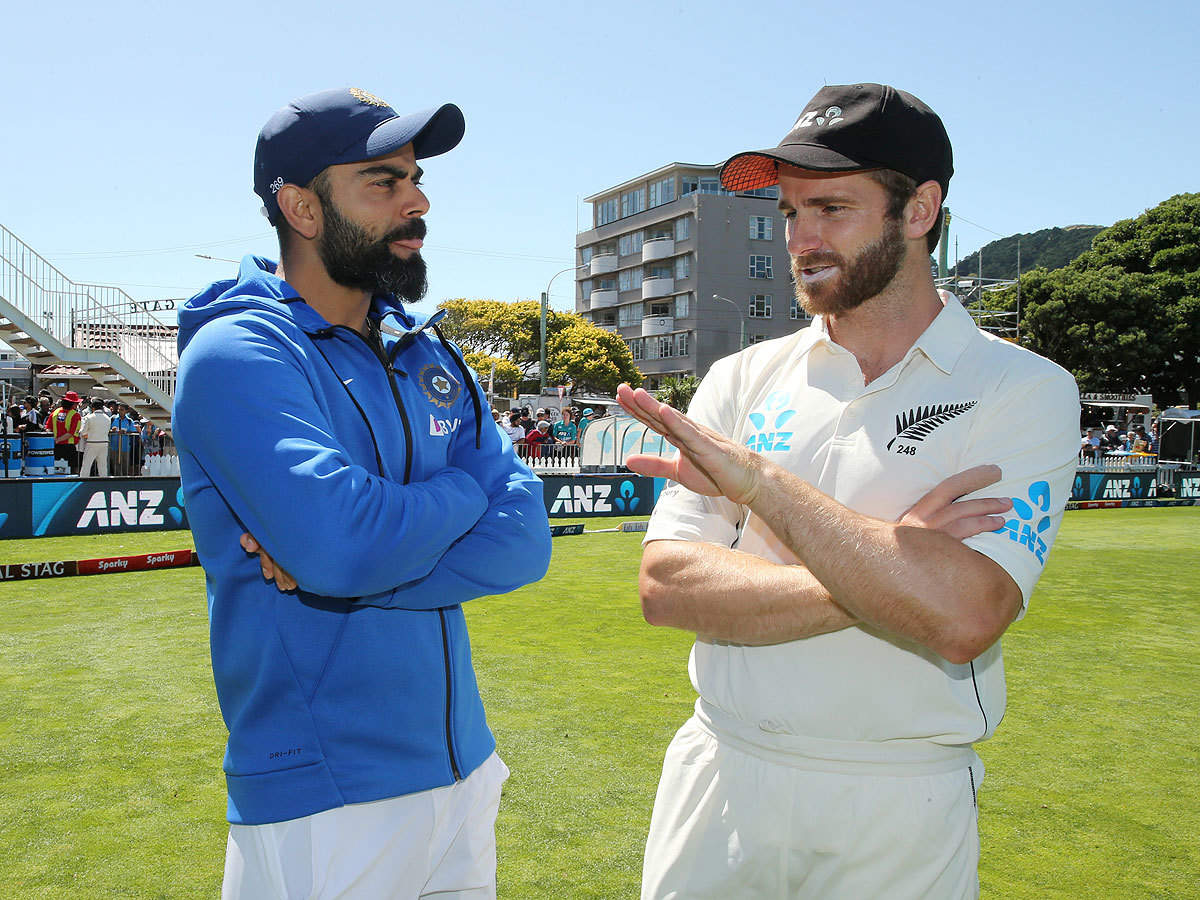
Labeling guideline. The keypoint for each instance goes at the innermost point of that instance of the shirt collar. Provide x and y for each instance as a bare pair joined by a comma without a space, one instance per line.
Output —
947,336
942,343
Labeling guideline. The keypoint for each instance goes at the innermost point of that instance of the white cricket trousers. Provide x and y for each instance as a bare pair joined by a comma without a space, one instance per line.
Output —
729,824
439,843
96,452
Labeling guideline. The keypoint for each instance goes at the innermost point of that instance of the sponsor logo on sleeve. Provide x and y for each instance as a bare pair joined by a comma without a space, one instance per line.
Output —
1024,529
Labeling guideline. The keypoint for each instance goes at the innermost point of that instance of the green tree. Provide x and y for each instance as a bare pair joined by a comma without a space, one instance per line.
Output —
1125,315
508,376
593,358
677,393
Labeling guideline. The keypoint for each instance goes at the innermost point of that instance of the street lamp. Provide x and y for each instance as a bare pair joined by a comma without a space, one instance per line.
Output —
542,336
741,320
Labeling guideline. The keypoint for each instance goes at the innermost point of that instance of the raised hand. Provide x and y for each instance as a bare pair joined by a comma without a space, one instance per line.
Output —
707,462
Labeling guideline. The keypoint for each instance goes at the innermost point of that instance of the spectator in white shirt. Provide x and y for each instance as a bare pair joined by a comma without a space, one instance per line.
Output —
95,436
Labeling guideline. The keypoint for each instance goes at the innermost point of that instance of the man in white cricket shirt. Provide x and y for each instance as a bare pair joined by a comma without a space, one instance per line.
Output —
95,438
848,590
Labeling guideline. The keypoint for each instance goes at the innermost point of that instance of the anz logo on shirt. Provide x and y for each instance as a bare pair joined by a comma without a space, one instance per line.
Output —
1023,529
769,424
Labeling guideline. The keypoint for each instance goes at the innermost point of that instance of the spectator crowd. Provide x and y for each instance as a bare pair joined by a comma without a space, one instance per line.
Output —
93,437
1135,440
539,440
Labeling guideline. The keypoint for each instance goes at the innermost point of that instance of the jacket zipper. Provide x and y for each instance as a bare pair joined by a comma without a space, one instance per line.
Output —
376,345
446,658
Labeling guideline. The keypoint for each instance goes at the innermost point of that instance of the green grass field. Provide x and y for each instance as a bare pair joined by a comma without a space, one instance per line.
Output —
111,740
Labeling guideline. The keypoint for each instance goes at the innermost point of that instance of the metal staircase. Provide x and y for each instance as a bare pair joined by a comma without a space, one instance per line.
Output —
117,341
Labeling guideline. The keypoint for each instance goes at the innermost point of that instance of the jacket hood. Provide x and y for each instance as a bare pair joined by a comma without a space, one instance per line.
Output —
258,287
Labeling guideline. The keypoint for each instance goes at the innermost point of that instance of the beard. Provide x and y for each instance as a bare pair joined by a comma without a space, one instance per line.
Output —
858,280
354,258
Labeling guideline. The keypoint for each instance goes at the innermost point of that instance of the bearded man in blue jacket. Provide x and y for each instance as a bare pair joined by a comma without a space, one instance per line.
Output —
367,482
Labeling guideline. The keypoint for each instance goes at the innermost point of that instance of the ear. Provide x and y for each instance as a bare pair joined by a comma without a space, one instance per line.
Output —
921,211
301,209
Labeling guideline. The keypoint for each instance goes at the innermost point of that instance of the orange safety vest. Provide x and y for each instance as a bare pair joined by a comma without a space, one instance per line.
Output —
65,425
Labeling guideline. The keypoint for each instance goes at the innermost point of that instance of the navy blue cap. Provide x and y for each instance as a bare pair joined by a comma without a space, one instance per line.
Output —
344,125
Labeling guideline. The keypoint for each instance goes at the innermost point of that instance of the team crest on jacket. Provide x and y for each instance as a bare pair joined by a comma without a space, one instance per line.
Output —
438,385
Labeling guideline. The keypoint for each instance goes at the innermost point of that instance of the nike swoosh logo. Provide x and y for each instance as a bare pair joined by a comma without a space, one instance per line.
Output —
347,382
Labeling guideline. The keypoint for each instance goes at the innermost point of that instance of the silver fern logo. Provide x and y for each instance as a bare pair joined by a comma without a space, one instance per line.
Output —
916,424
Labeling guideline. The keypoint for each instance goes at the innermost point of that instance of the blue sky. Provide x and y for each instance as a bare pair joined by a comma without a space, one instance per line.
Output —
129,130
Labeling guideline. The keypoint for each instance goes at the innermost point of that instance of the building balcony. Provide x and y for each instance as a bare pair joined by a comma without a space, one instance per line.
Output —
660,248
604,265
601,299
608,326
652,325
656,287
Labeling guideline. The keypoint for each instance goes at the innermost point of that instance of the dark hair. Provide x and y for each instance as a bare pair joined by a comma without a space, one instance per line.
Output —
900,189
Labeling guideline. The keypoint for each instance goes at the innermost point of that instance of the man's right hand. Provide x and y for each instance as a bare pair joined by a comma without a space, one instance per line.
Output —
271,570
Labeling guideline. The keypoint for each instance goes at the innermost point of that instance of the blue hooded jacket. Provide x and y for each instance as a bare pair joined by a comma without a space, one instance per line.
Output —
371,474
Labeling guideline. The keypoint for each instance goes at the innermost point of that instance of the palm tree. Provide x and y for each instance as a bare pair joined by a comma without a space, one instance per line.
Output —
678,392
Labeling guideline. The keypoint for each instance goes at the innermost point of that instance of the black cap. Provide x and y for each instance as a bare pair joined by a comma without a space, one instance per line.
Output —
848,128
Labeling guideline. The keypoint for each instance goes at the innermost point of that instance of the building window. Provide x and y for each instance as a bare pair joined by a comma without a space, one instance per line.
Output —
760,267
660,308
681,343
605,284
630,243
633,202
704,184
756,338
662,191
666,346
659,271
628,314
585,256
760,306
771,192
681,306
585,288
636,349
797,311
606,211
683,228
683,266
761,228
607,317
623,279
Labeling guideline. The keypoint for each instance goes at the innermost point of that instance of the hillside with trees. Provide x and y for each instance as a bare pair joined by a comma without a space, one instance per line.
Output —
1123,317
1050,248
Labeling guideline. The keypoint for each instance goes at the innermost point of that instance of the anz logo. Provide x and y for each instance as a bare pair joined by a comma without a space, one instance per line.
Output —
769,424
111,509
1023,529
595,498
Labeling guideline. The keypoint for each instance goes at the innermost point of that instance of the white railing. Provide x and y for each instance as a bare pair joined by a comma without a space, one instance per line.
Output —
87,316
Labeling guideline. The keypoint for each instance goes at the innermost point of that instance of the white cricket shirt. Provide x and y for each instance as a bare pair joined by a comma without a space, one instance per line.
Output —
958,399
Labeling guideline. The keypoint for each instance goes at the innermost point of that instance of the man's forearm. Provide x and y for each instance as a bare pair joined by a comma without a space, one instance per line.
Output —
912,581
726,595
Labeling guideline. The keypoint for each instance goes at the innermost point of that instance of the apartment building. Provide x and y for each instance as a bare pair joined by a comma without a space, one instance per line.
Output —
661,246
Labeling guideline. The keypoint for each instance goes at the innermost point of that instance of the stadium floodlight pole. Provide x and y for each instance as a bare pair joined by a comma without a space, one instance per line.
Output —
741,320
542,334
